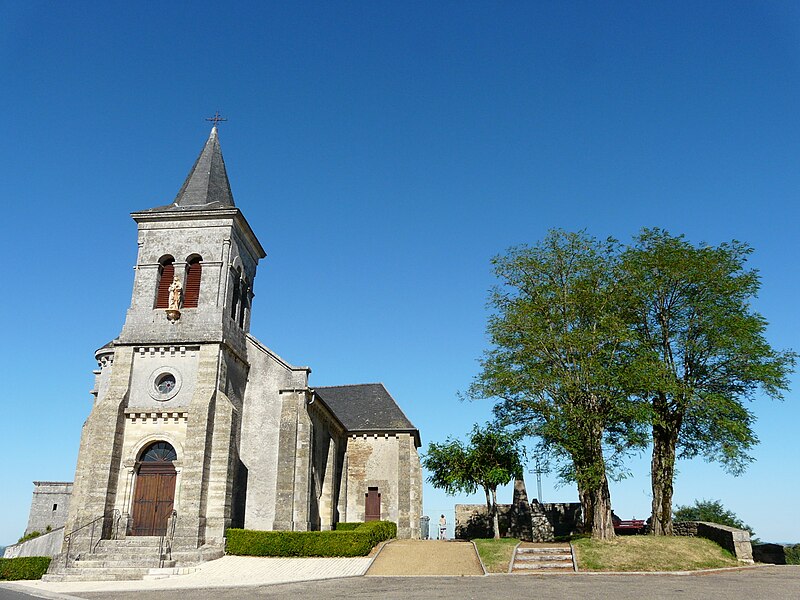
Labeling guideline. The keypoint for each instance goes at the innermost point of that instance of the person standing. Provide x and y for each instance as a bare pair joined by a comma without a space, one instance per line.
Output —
442,528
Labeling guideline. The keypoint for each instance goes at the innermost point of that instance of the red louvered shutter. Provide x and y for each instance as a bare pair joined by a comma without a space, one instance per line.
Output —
167,275
192,290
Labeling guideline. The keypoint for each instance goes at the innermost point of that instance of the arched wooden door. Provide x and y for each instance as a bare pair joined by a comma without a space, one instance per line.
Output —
154,493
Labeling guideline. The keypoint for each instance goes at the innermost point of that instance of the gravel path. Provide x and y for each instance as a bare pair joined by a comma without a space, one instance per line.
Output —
426,557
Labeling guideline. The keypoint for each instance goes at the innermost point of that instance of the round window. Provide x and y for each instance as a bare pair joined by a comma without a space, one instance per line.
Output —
165,383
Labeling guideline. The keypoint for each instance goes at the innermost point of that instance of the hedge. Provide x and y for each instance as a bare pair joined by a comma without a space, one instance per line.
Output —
342,542
347,526
24,567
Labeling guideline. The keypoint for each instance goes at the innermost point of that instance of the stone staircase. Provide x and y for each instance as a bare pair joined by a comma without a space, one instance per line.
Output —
129,558
542,559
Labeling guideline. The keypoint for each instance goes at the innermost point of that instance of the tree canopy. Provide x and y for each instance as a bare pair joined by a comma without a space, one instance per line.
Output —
598,349
560,360
491,458
701,353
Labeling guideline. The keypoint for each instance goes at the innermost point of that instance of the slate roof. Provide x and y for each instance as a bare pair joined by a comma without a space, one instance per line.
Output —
366,407
207,186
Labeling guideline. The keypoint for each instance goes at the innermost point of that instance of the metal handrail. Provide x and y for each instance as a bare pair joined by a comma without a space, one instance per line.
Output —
114,515
165,544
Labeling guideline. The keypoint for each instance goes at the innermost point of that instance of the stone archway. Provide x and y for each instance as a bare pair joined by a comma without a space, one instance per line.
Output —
154,492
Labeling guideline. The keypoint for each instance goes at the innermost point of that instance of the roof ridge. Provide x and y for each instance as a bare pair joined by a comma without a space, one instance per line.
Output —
322,387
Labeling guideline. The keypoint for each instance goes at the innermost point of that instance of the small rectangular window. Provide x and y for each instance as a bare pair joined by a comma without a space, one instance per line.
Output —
55,506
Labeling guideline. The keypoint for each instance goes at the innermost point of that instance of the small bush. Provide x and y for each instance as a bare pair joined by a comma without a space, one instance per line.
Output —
25,567
348,542
30,536
792,554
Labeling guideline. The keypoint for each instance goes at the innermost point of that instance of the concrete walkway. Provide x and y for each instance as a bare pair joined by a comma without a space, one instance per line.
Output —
415,558
226,572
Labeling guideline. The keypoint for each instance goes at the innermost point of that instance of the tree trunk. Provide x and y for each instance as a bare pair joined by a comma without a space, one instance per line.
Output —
662,476
596,503
488,501
495,517
595,497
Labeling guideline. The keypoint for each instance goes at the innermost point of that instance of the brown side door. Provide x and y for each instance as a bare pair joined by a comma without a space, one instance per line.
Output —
372,509
153,498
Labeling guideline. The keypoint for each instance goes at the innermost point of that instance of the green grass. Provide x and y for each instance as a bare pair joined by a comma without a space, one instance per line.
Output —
496,554
649,553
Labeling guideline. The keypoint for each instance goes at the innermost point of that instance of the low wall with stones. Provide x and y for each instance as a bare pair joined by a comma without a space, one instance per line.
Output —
773,554
736,541
48,544
541,524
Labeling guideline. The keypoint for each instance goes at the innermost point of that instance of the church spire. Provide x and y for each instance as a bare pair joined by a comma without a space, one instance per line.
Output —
207,184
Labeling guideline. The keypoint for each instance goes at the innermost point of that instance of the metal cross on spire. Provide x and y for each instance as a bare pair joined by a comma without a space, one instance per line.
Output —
216,118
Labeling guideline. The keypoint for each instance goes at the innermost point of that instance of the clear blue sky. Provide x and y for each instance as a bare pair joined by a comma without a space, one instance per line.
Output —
384,152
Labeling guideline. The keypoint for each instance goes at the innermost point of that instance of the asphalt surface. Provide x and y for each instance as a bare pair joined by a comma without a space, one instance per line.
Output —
775,583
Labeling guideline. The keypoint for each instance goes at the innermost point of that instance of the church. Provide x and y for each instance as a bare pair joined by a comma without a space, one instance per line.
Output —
197,426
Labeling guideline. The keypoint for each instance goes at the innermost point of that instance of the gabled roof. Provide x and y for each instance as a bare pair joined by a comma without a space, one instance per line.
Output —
367,408
207,186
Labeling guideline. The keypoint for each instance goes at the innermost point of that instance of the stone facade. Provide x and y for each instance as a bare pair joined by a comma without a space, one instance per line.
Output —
254,446
49,505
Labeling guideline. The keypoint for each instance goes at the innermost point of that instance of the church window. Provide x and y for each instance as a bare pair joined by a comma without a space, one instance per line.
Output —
192,288
159,452
166,383
237,276
243,301
166,273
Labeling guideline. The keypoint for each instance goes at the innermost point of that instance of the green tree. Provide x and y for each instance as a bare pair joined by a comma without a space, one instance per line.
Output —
561,360
711,511
701,352
492,458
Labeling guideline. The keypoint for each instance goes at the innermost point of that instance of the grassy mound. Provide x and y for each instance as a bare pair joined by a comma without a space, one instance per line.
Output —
496,554
650,553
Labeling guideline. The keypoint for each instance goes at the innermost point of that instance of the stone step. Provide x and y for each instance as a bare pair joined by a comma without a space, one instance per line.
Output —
542,565
115,562
137,541
111,554
110,574
543,557
543,550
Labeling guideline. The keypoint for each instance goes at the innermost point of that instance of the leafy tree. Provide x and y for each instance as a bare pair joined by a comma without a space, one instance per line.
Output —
711,511
491,459
561,360
792,553
701,353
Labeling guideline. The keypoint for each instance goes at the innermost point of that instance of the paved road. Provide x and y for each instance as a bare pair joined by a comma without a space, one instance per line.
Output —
775,583
6,594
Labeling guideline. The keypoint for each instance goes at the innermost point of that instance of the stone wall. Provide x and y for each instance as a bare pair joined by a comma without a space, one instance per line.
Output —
49,505
546,521
736,541
773,554
48,544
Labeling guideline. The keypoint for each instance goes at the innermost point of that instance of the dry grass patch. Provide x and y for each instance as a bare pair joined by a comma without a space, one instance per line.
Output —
650,553
496,554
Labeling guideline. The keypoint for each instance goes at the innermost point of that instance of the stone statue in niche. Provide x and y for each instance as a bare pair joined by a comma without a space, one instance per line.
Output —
175,289
173,310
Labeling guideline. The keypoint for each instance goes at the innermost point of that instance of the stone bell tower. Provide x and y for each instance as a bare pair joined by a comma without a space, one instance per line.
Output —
161,441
